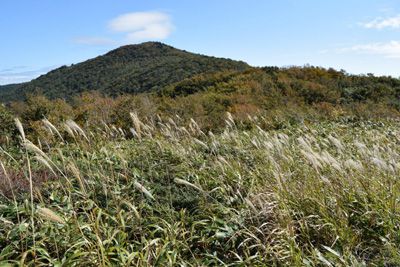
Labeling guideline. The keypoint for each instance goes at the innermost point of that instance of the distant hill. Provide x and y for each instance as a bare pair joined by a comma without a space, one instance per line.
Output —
145,67
10,92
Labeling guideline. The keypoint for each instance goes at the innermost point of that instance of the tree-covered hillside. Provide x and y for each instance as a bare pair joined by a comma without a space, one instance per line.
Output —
10,92
309,84
283,95
129,69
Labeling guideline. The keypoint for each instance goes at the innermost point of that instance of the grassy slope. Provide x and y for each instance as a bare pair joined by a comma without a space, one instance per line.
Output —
322,193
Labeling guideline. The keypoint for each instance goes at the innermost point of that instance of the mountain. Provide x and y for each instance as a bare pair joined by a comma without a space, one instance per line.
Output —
138,68
10,91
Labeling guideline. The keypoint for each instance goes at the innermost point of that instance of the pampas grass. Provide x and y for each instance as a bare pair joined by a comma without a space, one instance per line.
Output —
317,193
73,126
137,124
50,215
20,128
142,189
52,128
184,182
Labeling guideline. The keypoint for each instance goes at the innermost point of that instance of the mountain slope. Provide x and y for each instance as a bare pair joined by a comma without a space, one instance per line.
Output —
129,69
9,91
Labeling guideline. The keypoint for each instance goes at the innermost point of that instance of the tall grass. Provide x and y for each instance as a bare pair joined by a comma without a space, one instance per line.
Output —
314,194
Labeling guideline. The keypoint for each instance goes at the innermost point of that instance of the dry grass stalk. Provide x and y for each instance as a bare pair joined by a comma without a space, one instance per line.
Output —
75,171
137,124
75,127
184,182
20,128
45,163
50,215
142,189
52,128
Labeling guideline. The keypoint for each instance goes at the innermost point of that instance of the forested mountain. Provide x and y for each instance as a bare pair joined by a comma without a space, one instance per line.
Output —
10,92
157,79
129,69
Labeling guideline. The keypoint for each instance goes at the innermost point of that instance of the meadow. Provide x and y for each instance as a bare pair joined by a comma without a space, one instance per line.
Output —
169,193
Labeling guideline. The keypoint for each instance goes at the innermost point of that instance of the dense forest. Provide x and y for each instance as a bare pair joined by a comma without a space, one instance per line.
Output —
129,69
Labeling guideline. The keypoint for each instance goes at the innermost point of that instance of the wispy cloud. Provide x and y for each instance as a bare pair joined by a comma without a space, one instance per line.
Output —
134,27
17,75
389,49
381,23
14,68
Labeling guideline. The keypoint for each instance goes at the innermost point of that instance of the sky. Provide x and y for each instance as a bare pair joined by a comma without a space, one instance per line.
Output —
359,36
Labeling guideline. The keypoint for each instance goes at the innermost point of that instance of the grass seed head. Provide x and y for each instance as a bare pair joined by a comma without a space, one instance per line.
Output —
50,215
142,189
20,128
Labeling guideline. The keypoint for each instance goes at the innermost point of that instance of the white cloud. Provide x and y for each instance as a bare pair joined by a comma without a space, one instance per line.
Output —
381,23
389,50
139,26
134,27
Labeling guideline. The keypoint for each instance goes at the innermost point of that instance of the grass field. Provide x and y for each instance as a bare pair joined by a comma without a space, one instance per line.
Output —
308,194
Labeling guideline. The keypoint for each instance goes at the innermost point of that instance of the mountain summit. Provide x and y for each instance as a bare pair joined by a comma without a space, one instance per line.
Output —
138,68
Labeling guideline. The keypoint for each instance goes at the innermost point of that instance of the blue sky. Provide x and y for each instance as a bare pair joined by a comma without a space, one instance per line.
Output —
360,36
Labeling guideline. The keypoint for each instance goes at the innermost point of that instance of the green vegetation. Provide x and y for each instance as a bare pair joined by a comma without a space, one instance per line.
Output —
315,193
7,124
284,96
128,69
209,163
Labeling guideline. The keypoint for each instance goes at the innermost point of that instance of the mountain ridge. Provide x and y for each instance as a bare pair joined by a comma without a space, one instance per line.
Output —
145,67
